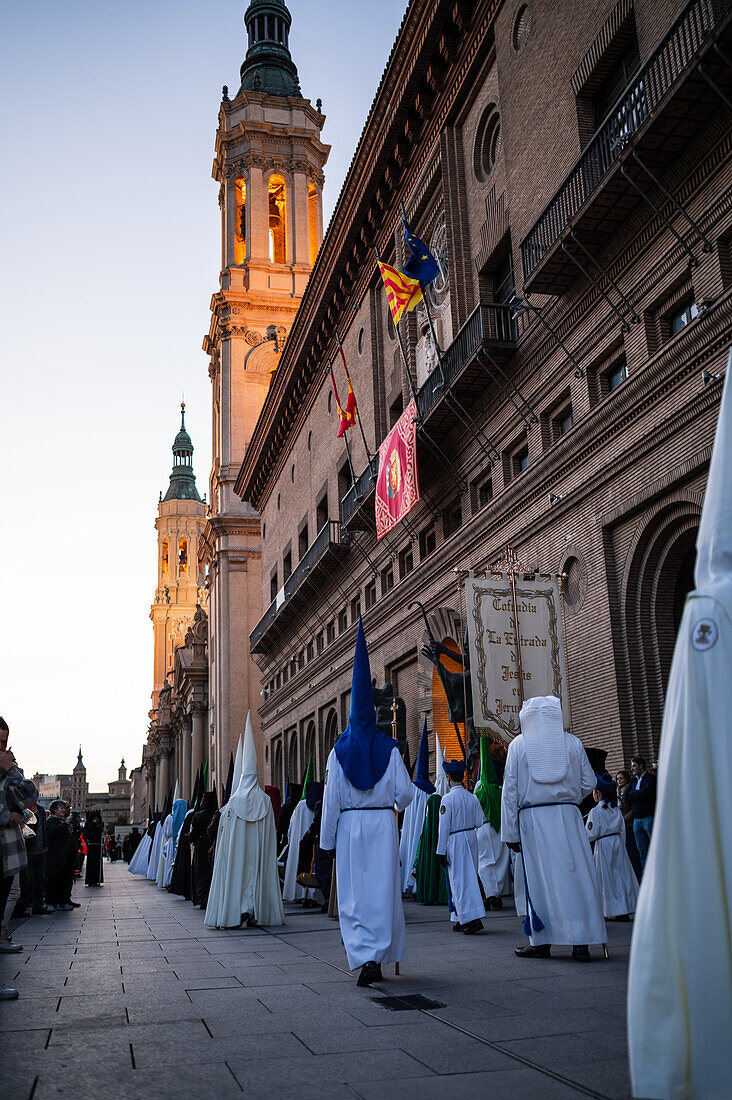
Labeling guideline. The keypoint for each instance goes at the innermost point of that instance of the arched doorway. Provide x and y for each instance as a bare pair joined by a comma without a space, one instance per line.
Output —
293,770
309,752
278,777
658,579
328,738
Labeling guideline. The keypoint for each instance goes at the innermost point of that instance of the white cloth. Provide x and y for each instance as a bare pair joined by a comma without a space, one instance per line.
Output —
561,876
411,832
167,834
494,862
362,828
245,878
300,822
618,885
543,733
139,861
441,784
249,802
171,852
519,892
155,850
461,814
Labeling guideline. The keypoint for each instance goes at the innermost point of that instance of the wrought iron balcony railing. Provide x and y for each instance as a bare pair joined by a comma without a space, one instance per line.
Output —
676,55
360,492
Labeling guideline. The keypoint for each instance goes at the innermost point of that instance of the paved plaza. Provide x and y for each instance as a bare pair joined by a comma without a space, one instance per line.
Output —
131,997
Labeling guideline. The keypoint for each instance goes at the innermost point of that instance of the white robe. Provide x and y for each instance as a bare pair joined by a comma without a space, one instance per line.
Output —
494,862
155,850
559,870
362,828
519,893
300,822
461,814
167,834
139,861
245,878
618,884
411,832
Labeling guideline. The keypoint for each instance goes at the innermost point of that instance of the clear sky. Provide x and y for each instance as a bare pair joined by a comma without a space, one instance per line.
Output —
109,226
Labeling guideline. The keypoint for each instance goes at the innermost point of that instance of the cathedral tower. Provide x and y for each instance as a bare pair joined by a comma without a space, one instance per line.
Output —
269,165
180,522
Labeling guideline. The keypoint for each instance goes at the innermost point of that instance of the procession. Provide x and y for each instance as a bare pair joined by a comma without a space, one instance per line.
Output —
369,532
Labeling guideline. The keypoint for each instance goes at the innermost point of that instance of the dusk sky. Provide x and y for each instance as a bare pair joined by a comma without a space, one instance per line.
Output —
110,255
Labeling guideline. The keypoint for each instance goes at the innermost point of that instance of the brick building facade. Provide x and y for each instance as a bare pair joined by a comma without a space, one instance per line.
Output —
574,178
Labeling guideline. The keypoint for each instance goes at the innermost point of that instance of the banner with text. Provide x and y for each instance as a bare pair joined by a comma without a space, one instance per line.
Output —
495,657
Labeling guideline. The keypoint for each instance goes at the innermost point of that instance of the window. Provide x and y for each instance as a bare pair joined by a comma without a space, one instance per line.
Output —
330,632
485,492
342,621
285,674
387,579
344,480
310,652
279,501
310,441
504,286
487,143
183,556
615,376
286,565
562,422
321,512
452,518
278,681
277,220
613,86
301,660
681,316
438,289
370,594
330,401
320,642
165,556
273,589
360,341
313,223
355,608
521,461
521,27
302,540
406,561
395,410
240,227
292,473
427,542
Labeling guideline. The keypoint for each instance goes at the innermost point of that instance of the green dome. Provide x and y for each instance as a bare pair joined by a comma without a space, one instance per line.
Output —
182,479
268,66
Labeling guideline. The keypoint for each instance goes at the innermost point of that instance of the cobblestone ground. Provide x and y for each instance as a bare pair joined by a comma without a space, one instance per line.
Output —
131,997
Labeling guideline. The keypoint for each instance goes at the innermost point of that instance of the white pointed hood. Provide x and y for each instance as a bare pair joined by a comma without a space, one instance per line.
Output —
236,774
542,729
248,802
441,784
713,571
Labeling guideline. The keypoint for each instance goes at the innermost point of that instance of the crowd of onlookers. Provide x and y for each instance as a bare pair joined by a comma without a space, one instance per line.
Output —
637,803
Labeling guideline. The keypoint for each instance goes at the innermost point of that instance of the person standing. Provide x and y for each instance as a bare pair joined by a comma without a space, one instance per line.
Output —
642,798
60,857
415,813
606,833
461,814
494,860
16,794
365,781
93,830
201,867
547,775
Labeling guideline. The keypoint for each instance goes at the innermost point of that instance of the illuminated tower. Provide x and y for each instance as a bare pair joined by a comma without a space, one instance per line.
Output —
269,166
79,785
180,522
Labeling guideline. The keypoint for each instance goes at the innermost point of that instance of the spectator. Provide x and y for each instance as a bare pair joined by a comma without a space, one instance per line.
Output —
642,798
59,857
622,784
16,794
93,830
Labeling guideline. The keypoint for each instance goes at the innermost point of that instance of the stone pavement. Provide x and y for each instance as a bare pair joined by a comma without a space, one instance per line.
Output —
131,997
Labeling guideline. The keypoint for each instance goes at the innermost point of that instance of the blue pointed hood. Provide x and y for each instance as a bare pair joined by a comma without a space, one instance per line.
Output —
422,773
363,751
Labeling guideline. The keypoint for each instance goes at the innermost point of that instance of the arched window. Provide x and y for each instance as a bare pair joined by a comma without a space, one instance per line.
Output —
310,748
240,234
313,222
183,556
277,220
165,556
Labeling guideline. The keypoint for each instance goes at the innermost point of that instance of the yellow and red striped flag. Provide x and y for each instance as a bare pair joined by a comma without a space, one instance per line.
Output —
402,292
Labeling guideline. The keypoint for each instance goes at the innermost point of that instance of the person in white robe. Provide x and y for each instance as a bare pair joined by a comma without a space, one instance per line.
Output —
414,815
138,863
300,822
245,886
166,835
546,777
494,860
180,809
155,850
441,784
606,832
365,782
461,815
680,978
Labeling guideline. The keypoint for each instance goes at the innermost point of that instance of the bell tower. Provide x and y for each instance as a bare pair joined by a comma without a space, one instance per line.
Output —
179,524
269,166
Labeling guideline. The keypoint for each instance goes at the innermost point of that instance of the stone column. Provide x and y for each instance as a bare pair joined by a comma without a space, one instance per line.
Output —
197,739
185,744
164,772
150,787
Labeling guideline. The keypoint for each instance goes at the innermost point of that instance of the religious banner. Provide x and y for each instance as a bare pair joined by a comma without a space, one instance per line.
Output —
397,486
509,666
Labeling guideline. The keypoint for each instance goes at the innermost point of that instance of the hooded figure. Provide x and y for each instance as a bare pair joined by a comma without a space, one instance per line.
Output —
414,814
680,986
293,794
428,872
441,784
547,775
494,861
139,861
201,866
461,815
180,809
300,822
365,781
245,885
155,849
276,799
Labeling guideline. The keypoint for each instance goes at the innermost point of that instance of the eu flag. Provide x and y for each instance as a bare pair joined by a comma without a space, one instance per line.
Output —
421,264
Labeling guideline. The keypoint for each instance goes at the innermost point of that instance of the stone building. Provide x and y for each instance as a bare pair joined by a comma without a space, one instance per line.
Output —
574,179
113,804
138,797
269,165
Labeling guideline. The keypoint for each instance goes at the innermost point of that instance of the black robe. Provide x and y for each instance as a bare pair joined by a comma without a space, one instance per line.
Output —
180,882
60,860
202,864
93,836
288,809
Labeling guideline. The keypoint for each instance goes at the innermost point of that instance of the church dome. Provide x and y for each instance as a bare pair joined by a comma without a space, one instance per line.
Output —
182,479
268,66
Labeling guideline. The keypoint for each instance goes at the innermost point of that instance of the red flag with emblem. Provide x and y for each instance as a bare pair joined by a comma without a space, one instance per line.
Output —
397,486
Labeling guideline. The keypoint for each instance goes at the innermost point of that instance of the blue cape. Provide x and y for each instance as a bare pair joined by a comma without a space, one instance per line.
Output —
363,751
180,809
422,772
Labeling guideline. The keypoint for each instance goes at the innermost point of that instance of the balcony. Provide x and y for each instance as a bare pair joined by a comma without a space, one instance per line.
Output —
330,545
661,109
473,360
357,511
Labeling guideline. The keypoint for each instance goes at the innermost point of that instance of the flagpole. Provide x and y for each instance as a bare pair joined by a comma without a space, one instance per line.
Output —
358,412
412,390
